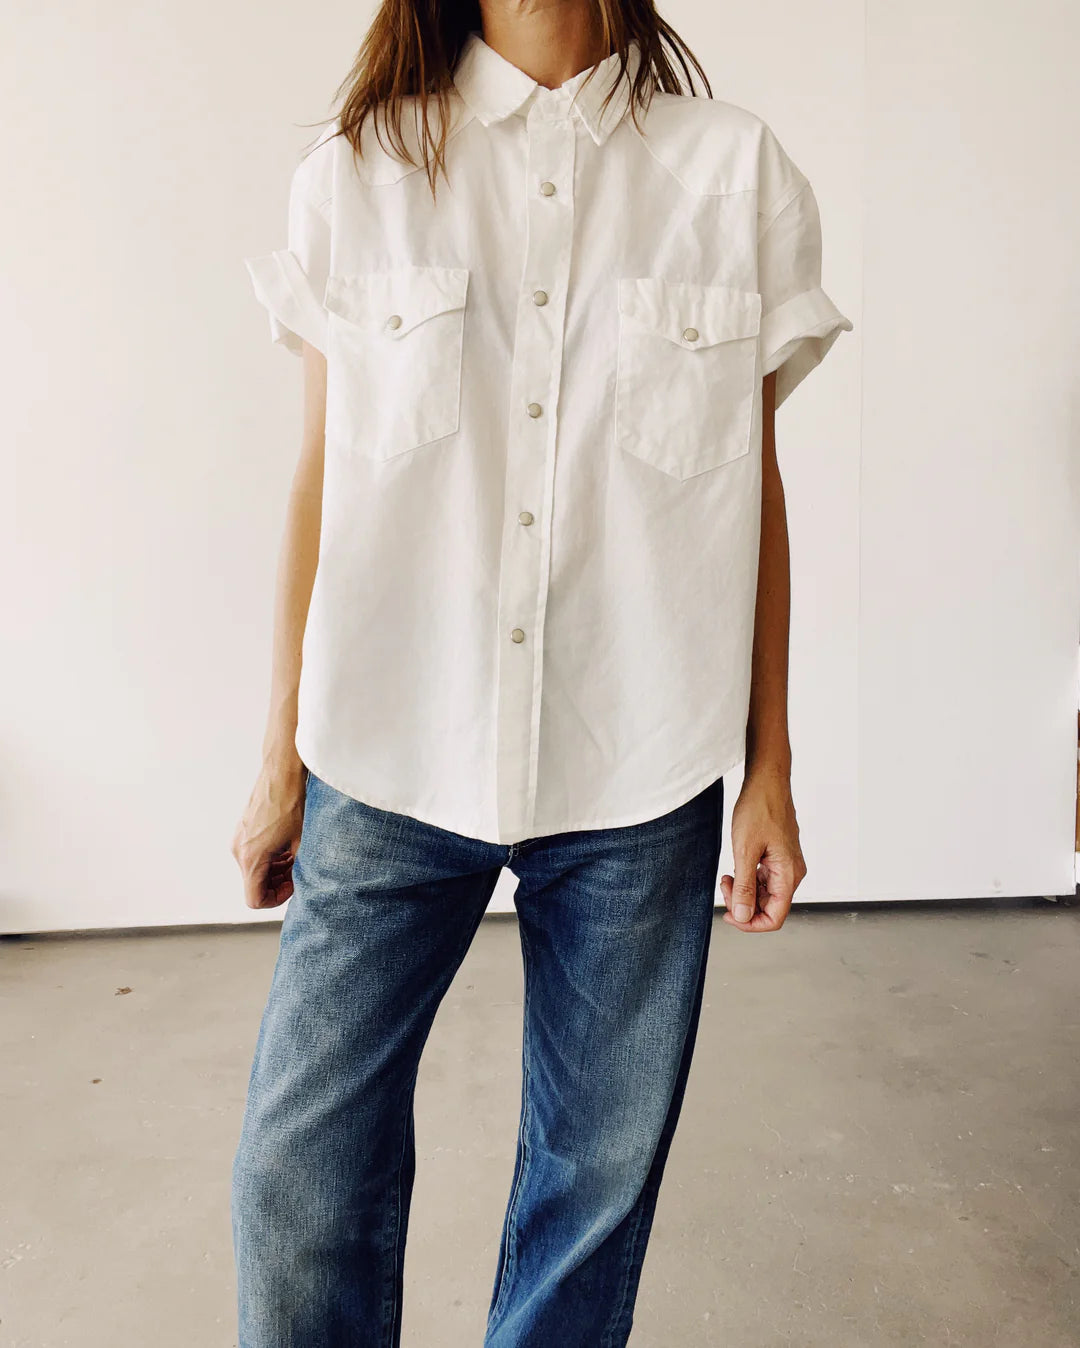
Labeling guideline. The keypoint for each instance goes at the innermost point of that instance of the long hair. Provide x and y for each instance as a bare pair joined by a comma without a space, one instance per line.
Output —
412,47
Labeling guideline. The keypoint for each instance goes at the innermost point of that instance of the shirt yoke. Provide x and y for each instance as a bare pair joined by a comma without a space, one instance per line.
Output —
379,165
716,148
710,146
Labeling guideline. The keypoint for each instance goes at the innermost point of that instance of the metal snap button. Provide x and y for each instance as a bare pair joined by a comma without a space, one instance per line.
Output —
547,189
517,634
526,517
533,409
540,297
690,334
394,321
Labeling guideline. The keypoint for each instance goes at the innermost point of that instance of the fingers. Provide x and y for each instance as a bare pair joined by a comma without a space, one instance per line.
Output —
266,842
267,877
735,900
740,894
781,879
277,889
277,883
768,858
765,888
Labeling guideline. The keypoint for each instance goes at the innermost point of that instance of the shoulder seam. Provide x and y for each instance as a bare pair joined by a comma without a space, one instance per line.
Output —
362,165
733,192
767,218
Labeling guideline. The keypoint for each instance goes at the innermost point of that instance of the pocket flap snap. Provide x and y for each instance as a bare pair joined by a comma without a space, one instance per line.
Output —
689,314
396,301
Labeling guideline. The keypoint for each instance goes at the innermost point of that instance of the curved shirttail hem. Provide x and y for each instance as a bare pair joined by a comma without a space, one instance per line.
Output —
677,796
671,800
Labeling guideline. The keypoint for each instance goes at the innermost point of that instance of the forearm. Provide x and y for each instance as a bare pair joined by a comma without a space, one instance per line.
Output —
768,748
296,575
297,563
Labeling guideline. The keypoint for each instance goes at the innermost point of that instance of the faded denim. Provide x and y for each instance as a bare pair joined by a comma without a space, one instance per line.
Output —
614,926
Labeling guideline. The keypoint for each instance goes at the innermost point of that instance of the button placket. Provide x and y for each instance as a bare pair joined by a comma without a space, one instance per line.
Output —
530,459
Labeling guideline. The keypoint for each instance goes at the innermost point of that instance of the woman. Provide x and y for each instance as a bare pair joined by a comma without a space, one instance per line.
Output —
547,298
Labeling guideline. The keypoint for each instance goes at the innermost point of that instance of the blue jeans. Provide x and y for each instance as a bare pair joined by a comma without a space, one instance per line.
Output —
614,926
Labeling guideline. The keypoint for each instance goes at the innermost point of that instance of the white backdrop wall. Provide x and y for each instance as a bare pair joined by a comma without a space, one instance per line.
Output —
928,463
968,624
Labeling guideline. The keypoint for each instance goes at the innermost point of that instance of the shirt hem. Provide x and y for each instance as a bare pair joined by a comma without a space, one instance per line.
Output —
678,796
366,797
670,800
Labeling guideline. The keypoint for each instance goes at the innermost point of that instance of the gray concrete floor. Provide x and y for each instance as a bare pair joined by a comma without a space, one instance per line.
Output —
880,1143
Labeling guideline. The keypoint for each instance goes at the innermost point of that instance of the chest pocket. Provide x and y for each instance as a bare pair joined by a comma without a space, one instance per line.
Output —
393,358
687,373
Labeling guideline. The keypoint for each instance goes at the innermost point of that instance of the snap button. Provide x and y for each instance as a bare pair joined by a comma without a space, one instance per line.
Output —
540,297
690,334
547,189
394,321
533,409
526,517
517,634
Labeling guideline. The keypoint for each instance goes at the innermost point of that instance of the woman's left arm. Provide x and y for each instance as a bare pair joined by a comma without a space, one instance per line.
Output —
769,863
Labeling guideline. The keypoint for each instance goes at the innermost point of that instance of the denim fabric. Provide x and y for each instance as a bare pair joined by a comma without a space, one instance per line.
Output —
614,926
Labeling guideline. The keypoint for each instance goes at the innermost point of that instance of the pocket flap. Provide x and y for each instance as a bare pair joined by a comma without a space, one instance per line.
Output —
688,314
396,301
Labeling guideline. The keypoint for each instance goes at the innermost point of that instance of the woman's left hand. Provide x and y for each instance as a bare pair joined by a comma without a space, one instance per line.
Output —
769,863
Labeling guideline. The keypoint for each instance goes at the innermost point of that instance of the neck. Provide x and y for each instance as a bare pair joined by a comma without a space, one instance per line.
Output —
550,40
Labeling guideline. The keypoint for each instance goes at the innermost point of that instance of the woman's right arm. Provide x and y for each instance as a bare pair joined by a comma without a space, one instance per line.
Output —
268,835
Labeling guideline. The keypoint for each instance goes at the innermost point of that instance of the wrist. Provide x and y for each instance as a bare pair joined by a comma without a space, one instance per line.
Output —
280,758
771,759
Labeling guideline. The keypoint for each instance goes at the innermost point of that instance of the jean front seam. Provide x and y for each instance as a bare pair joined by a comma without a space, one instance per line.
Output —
628,1268
650,1189
393,1303
511,1224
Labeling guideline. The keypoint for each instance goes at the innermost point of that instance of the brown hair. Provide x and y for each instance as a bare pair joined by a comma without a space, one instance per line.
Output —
413,46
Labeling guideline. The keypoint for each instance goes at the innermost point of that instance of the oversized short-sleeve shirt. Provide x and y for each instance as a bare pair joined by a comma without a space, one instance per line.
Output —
534,604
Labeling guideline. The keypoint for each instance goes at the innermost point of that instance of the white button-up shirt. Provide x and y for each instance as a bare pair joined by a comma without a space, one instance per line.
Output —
534,603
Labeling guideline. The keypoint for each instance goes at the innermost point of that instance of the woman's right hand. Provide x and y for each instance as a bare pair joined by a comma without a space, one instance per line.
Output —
268,836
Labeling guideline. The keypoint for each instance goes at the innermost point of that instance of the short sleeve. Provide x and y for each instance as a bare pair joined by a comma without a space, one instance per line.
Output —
291,281
799,322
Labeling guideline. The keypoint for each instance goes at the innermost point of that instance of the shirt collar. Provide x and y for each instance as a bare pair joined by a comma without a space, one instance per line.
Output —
495,88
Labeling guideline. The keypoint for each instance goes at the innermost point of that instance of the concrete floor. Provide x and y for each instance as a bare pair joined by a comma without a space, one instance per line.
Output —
880,1143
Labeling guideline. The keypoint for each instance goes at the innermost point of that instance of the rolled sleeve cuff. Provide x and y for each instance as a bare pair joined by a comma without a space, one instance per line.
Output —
296,312
796,336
